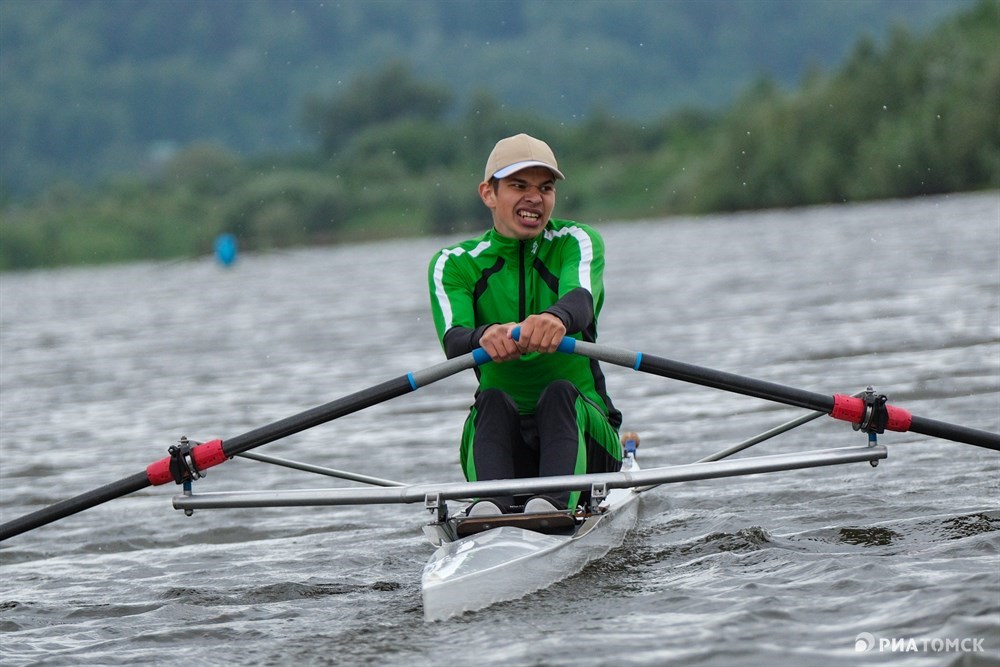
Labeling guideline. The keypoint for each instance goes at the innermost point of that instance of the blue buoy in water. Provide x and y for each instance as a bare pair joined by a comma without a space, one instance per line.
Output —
225,249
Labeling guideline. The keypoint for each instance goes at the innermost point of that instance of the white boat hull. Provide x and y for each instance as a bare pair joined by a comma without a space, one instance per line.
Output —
508,563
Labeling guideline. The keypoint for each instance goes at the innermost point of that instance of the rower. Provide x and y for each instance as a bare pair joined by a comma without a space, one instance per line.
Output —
535,413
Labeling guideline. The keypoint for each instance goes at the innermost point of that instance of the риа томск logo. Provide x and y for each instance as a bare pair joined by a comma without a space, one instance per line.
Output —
866,642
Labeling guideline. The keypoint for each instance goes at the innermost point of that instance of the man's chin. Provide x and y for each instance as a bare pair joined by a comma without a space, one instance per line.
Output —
529,230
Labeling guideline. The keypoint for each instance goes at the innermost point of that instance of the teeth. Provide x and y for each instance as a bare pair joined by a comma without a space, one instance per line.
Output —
530,216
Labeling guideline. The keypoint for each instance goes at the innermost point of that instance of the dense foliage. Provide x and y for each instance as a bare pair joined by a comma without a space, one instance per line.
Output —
395,154
93,87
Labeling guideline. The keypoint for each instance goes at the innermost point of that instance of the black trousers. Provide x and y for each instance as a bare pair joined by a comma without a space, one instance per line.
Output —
566,435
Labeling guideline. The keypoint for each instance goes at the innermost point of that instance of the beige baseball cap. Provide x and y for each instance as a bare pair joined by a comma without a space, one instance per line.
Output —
520,152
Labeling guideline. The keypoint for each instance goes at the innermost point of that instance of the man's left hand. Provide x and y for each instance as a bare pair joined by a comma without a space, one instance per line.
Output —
541,333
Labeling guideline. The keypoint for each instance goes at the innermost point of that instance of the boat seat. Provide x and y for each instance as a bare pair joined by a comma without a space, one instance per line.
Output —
540,522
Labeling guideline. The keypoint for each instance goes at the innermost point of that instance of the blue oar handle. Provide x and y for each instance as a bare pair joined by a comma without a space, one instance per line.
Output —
614,355
568,345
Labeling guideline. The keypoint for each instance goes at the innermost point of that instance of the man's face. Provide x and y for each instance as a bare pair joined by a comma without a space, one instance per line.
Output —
522,203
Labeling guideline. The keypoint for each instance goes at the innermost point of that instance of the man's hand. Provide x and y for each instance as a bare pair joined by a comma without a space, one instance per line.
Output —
541,333
498,342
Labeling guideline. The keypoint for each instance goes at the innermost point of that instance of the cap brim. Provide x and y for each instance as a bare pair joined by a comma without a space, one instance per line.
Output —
518,166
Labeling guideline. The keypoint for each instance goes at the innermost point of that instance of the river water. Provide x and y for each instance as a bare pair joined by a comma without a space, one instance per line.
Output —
101,369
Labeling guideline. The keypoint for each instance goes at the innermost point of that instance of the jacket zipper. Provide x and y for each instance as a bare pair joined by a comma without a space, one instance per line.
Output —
521,291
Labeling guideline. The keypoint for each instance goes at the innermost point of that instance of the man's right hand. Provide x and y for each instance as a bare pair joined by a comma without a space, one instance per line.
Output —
499,343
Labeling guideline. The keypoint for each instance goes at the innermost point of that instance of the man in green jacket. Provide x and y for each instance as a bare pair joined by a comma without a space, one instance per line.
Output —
536,413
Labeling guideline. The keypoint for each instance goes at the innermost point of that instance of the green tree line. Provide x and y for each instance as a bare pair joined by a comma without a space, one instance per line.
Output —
90,88
394,155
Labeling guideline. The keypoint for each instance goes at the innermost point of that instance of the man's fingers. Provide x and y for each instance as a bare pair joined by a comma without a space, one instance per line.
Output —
541,333
499,345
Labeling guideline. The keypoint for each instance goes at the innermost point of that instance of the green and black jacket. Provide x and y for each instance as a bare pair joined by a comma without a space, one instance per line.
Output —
493,279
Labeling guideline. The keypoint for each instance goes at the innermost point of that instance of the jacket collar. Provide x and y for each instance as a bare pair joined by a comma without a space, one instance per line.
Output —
508,246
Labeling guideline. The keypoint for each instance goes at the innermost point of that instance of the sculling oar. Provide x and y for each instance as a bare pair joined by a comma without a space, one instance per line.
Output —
187,462
870,412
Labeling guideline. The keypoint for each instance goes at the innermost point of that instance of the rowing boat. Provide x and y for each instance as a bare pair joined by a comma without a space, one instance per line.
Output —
507,562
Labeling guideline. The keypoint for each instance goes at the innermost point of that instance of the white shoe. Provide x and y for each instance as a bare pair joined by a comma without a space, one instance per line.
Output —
540,504
483,508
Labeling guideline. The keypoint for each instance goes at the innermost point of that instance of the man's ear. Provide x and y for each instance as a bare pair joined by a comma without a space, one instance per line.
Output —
487,194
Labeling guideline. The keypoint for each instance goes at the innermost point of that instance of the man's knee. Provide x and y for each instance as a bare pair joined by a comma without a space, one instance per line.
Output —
496,410
559,393
495,399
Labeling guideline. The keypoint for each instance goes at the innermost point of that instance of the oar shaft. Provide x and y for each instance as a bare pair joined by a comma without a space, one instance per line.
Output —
212,453
307,419
939,429
735,383
346,405
73,505
708,377
848,408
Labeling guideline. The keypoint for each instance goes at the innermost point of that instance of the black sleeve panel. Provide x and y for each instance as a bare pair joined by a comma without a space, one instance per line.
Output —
575,309
462,340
